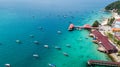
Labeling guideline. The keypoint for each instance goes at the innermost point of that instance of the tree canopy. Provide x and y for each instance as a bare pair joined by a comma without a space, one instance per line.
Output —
95,24
114,5
110,21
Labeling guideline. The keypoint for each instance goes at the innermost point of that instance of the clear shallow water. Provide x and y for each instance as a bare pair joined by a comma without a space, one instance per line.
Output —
17,22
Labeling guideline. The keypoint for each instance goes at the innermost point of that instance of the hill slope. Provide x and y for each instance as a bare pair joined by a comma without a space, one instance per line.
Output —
114,5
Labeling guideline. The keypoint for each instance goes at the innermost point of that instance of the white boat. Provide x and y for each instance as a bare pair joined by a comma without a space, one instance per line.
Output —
51,65
59,32
68,45
7,65
57,47
65,54
35,55
36,42
18,41
46,46
32,36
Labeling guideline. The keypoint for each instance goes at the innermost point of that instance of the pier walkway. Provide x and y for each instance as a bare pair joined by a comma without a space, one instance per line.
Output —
86,26
103,63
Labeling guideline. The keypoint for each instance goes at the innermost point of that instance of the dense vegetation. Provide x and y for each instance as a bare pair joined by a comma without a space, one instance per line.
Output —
113,39
95,24
110,21
114,5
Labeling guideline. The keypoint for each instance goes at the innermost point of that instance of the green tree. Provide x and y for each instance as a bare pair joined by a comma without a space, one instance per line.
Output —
95,24
110,21
118,42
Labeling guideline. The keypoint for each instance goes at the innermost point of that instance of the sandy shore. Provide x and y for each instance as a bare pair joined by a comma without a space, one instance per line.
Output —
115,15
104,22
114,56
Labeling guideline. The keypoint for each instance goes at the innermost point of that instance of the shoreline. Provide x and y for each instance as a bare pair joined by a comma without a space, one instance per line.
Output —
112,56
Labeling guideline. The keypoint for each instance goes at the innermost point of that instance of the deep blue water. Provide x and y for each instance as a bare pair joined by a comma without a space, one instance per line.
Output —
19,19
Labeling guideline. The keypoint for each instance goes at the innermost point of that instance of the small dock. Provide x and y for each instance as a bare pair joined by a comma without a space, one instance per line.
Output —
103,63
86,26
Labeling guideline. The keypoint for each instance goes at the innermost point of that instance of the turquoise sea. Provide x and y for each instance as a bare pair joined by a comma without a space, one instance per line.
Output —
43,18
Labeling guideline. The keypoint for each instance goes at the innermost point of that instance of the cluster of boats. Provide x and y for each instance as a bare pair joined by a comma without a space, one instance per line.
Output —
45,46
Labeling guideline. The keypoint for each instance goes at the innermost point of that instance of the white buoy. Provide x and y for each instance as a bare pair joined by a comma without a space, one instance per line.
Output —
46,46
7,65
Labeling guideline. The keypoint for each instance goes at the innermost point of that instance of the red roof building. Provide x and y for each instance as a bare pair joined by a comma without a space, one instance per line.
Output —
104,42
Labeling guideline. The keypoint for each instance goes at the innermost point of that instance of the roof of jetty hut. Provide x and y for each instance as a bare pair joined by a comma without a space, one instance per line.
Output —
87,26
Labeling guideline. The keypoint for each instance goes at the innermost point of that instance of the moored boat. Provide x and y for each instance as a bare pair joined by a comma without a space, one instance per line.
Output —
51,65
57,47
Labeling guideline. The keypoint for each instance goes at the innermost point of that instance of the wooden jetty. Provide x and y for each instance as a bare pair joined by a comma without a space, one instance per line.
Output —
103,63
86,26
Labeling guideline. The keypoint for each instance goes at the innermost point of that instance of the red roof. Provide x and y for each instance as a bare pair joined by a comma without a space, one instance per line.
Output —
71,26
107,45
118,19
87,26
118,37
